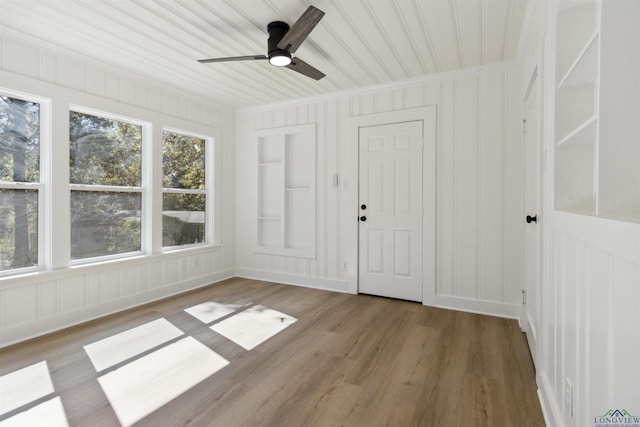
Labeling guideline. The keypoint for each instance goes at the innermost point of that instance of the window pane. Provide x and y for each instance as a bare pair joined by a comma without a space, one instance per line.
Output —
183,219
19,140
18,229
183,161
104,151
105,223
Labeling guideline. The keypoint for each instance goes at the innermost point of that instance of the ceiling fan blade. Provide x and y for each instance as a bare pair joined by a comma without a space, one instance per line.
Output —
233,58
302,67
301,29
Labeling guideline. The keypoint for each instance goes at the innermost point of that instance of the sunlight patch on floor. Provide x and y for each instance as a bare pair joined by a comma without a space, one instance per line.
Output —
50,413
149,365
125,345
146,384
211,311
24,386
254,326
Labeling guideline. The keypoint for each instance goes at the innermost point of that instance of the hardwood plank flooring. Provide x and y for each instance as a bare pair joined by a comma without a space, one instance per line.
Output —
348,360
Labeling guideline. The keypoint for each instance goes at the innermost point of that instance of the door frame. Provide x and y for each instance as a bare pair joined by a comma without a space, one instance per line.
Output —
350,194
535,82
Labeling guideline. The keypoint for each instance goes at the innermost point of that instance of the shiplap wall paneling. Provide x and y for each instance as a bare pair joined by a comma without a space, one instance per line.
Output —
493,144
592,330
478,169
465,186
35,307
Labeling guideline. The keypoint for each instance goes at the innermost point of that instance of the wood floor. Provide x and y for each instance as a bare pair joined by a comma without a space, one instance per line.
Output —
348,360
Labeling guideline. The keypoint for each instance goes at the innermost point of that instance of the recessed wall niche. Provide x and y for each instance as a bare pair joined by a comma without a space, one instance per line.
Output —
286,187
597,136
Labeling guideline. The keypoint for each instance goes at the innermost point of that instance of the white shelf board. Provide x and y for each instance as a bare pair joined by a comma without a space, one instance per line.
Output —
584,69
584,135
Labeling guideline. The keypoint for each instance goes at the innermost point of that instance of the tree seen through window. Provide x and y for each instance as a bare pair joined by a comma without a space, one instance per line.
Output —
19,182
105,173
184,190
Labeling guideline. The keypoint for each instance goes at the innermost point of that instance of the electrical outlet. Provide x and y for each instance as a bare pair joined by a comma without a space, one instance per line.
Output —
568,397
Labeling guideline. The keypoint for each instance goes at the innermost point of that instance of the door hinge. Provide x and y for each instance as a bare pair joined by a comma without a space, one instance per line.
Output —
524,126
524,297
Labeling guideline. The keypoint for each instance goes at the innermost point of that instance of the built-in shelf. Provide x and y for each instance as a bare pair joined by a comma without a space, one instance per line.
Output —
575,105
597,154
584,134
576,25
576,119
286,191
584,70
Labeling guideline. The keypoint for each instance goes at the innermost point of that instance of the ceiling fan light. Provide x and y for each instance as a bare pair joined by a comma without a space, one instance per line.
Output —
280,59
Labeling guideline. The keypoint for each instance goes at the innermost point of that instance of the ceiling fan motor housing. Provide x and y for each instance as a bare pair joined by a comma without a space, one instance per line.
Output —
277,30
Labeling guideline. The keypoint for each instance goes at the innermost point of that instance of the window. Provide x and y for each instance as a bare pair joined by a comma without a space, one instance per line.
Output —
20,187
106,185
184,193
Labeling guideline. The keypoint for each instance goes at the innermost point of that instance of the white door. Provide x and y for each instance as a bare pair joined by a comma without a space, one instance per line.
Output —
390,194
532,274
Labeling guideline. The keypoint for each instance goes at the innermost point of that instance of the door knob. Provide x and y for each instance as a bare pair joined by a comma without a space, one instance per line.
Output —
531,219
363,218
363,207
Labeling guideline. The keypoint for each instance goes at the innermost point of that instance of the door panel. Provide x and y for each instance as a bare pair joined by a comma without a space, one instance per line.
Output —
390,188
532,230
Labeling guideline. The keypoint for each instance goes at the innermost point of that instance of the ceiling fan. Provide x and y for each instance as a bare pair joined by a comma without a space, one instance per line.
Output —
283,41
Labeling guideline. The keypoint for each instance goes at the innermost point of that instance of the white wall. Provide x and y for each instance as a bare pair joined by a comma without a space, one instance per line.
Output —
38,303
478,243
590,325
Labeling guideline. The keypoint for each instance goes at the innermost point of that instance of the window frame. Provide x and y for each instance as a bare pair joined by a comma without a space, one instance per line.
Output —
146,135
44,204
209,173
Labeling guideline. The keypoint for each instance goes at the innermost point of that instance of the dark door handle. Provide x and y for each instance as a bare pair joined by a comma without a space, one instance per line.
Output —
363,207
531,219
363,218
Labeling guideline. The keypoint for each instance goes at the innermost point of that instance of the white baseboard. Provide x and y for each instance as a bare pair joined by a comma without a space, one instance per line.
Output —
491,308
45,326
550,411
290,279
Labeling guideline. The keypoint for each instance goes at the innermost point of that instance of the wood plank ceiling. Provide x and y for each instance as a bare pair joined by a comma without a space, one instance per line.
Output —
359,43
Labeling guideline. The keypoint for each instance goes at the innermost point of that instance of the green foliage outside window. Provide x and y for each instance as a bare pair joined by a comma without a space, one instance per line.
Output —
183,159
19,163
104,152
